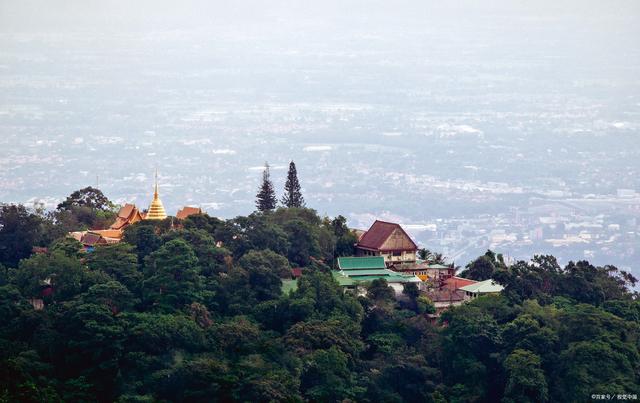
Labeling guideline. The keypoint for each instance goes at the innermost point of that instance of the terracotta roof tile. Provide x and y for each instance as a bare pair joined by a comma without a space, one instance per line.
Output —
445,295
187,211
90,239
378,234
126,210
119,223
454,283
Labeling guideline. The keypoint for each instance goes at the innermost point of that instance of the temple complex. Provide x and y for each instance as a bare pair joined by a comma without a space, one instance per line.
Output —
127,215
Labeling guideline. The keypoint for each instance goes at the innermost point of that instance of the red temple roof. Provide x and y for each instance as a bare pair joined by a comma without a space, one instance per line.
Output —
380,232
187,211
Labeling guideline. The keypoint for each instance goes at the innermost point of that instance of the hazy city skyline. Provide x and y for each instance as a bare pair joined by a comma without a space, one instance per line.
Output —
491,124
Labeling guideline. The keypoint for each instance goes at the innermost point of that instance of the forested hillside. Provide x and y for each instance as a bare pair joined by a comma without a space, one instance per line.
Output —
194,311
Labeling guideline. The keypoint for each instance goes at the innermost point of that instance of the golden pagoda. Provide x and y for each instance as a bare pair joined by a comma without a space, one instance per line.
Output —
156,209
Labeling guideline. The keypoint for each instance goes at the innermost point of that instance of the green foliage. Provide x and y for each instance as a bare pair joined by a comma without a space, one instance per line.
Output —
264,269
431,257
172,315
525,378
425,305
86,208
326,376
87,197
20,231
144,236
266,197
120,262
483,267
303,242
292,193
63,275
68,246
543,279
202,222
171,278
345,238
380,291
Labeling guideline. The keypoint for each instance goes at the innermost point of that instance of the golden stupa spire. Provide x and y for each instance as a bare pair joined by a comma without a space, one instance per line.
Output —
155,193
156,210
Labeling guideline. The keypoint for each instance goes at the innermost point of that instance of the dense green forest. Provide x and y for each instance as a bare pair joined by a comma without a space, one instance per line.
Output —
194,311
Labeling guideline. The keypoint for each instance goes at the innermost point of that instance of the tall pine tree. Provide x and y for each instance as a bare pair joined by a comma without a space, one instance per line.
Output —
292,195
266,197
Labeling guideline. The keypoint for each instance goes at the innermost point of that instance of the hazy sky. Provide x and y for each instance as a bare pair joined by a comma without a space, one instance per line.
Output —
149,14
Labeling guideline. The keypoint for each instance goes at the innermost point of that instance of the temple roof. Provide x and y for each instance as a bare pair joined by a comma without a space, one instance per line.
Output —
126,210
378,237
128,214
187,211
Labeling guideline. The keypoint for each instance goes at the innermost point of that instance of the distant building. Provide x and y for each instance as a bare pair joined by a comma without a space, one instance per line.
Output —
188,211
434,273
455,283
296,272
91,239
444,298
127,215
389,241
36,303
473,291
359,271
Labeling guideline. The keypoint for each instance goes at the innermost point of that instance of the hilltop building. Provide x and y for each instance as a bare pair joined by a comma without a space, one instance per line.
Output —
455,283
473,291
188,211
128,215
356,271
389,241
434,273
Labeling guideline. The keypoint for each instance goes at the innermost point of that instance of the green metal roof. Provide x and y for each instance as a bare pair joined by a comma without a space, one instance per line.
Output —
361,263
483,287
289,285
359,277
367,272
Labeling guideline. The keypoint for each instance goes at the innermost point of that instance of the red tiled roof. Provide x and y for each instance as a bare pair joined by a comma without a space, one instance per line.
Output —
296,272
90,239
445,295
454,283
378,234
39,250
187,211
